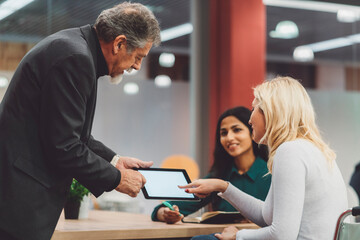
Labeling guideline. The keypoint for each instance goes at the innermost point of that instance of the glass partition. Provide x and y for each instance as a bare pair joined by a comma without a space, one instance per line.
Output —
317,43
148,115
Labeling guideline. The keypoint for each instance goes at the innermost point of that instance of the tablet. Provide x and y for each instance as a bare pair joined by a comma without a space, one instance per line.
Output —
162,183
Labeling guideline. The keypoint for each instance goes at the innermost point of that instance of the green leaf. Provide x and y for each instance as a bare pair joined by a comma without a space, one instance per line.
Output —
77,191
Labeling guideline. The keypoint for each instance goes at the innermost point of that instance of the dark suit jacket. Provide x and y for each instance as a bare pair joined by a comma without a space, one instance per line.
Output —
45,123
355,180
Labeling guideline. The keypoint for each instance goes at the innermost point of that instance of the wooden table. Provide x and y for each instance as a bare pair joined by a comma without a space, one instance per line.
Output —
121,225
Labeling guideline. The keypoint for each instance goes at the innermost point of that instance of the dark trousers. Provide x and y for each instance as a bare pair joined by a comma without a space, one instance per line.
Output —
5,236
205,237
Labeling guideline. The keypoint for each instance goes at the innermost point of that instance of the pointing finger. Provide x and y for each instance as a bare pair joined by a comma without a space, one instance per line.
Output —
186,186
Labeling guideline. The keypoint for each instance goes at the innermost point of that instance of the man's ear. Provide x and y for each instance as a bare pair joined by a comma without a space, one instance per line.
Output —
119,43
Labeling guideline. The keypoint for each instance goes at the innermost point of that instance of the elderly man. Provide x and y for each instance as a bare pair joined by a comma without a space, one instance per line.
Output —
46,117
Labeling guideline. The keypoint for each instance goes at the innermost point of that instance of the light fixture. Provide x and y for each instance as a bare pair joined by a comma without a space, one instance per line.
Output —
176,32
303,54
131,88
311,5
10,6
285,30
167,60
3,82
347,16
334,43
162,81
330,44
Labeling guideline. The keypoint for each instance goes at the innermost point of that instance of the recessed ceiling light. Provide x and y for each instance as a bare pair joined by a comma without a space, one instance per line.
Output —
167,60
162,81
285,30
303,54
176,32
131,88
3,82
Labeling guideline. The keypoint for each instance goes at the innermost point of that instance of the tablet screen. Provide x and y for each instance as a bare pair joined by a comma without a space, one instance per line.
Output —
162,183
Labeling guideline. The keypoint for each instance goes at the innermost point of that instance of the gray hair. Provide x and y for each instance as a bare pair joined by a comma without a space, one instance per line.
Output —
133,20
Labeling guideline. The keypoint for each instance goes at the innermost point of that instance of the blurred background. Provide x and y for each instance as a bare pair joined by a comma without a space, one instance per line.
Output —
167,108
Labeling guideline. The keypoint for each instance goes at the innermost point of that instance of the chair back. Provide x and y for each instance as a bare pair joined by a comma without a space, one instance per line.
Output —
346,230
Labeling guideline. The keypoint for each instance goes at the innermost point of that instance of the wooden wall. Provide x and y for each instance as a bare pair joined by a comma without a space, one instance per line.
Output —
12,53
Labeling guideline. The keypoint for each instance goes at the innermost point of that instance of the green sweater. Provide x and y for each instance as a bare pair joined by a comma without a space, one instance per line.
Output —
253,182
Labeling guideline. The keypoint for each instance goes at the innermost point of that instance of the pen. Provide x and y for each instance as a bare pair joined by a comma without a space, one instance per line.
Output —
169,206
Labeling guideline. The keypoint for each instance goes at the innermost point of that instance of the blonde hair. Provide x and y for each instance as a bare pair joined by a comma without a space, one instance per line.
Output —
289,115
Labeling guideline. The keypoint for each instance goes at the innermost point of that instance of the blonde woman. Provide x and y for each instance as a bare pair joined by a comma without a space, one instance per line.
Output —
307,192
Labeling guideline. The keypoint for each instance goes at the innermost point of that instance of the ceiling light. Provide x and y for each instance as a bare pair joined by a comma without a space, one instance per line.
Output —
10,6
155,9
131,88
303,54
330,44
285,30
334,43
311,5
347,16
167,60
3,82
355,38
162,81
176,32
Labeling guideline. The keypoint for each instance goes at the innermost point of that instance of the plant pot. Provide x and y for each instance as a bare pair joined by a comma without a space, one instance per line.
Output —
71,210
84,208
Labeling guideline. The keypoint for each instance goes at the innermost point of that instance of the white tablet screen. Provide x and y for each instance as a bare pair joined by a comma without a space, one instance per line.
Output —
163,184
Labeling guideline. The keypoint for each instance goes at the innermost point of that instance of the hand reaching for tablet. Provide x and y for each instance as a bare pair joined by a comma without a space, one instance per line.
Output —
203,187
131,182
129,163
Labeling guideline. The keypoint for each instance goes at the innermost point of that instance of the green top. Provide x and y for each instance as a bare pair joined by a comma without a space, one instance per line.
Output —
253,182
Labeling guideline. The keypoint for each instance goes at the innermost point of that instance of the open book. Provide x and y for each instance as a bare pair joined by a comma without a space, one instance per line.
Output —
217,217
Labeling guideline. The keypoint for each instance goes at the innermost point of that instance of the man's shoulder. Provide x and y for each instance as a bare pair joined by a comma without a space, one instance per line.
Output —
65,45
66,41
69,39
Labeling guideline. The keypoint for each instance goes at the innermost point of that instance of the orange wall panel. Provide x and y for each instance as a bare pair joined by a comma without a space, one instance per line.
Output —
237,55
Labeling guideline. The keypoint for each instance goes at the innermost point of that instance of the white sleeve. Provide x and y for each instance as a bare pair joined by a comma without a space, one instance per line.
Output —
288,183
249,206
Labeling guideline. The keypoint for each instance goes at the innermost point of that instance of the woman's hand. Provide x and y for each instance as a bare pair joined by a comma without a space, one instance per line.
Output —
203,187
228,233
164,214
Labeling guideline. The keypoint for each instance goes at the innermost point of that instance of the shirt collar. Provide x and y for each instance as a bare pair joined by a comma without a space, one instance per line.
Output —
102,68
254,170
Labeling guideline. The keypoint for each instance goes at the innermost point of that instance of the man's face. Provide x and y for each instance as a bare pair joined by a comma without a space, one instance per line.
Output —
125,61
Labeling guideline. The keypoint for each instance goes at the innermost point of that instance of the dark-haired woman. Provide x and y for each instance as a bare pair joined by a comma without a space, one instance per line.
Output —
237,159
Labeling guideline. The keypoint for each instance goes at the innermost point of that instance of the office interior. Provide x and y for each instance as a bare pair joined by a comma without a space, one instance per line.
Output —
213,52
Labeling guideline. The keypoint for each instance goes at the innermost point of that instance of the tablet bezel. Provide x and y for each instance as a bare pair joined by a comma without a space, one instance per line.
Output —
146,195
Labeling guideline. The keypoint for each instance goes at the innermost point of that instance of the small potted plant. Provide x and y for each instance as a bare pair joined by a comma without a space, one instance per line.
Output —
73,201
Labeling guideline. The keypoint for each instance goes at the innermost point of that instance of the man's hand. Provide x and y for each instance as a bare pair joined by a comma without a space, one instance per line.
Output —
228,233
131,182
129,163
